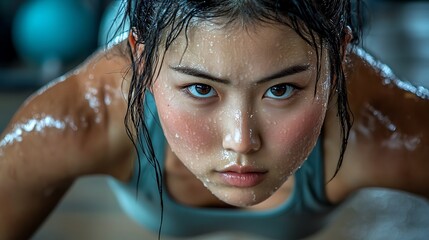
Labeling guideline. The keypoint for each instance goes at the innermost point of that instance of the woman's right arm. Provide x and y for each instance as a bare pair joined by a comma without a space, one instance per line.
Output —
71,128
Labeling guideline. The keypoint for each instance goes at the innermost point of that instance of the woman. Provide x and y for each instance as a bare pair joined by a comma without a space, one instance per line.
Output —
254,120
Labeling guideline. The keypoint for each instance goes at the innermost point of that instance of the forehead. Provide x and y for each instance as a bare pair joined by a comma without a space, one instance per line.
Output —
264,36
260,46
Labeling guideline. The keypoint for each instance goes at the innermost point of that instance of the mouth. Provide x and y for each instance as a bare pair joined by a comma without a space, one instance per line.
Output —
242,176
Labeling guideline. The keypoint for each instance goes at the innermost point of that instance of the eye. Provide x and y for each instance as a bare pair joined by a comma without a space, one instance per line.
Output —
280,92
201,91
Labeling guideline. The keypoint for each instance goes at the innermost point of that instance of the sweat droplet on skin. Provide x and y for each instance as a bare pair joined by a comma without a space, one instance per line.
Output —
107,100
400,141
39,124
226,197
226,155
237,135
76,72
204,180
211,44
91,96
372,116
396,140
272,122
391,79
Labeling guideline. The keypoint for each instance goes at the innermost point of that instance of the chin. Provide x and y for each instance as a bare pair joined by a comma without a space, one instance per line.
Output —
242,197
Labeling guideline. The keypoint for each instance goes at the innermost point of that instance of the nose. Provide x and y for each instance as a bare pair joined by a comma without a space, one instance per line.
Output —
241,134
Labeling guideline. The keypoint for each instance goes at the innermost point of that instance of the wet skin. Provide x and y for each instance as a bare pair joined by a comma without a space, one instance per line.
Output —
242,123
389,138
82,116
71,128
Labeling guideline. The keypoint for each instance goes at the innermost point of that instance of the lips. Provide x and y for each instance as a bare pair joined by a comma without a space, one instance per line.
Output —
242,176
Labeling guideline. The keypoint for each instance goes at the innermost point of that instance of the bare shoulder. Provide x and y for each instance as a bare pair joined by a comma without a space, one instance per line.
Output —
73,126
389,138
75,122
103,88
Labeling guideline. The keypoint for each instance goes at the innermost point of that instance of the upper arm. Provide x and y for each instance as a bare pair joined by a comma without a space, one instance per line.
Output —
48,132
70,128
389,138
38,154
65,130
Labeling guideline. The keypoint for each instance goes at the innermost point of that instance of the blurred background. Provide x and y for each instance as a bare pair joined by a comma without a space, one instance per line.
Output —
42,39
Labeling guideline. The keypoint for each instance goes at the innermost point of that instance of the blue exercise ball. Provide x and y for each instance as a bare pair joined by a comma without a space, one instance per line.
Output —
63,30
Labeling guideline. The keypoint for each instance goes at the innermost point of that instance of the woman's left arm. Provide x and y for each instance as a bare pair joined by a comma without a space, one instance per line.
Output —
389,140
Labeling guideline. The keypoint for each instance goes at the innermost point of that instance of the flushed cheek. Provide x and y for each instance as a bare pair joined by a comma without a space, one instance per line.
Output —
294,137
190,136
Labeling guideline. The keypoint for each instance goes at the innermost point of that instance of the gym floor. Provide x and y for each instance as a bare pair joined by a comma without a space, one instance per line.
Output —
90,211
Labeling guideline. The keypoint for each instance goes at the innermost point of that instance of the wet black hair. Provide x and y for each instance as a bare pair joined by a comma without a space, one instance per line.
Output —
322,24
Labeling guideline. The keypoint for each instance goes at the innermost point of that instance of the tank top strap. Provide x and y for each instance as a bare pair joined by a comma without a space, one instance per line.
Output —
310,190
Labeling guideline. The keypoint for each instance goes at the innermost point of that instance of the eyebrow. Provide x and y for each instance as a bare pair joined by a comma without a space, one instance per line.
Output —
288,71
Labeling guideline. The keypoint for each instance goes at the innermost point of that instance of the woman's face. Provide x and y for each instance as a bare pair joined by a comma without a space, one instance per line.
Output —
239,108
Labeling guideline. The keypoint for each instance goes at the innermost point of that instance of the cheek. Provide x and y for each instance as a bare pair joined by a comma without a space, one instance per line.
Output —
295,136
302,127
185,130
188,133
